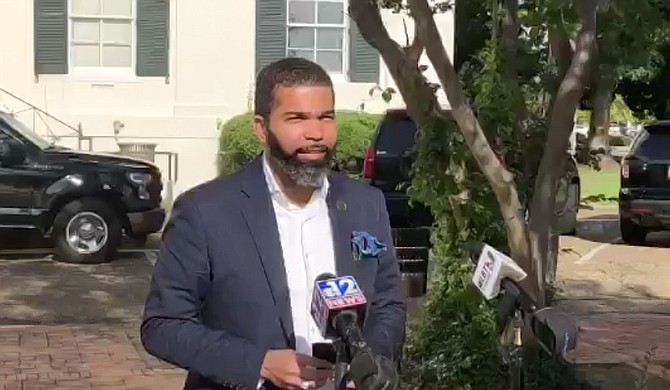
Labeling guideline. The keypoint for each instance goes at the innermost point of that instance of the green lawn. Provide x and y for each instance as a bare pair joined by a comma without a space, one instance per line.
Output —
599,186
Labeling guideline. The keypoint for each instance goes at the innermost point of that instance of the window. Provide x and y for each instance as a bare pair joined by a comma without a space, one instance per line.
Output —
653,142
102,34
24,131
317,31
396,136
5,140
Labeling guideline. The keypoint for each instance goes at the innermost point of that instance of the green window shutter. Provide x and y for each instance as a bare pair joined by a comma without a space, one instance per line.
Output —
153,32
270,31
50,36
363,58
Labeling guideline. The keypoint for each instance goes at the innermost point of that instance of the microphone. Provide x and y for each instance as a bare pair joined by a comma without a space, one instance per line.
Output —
338,308
555,331
492,268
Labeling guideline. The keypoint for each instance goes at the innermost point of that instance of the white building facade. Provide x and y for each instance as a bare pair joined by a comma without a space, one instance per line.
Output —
166,72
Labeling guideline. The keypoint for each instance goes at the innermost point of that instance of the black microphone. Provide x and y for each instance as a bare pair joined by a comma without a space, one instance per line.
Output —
555,331
338,308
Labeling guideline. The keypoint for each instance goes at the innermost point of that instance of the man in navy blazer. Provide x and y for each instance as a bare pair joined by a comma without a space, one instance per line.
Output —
229,298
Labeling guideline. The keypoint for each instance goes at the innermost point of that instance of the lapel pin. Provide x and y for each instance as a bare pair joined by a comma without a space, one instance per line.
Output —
341,205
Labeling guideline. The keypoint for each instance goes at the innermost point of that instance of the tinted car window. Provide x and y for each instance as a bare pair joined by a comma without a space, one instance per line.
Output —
5,138
396,136
653,142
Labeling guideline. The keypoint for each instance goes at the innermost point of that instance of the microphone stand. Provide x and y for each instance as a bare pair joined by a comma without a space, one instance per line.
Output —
341,364
511,323
516,355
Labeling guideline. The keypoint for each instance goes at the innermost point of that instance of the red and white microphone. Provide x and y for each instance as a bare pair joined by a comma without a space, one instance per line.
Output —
335,298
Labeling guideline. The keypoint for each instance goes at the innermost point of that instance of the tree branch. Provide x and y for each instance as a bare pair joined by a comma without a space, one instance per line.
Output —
415,48
501,180
403,68
561,50
510,36
560,128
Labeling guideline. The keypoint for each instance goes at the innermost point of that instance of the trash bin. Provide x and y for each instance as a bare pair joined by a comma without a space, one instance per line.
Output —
413,271
144,151
412,246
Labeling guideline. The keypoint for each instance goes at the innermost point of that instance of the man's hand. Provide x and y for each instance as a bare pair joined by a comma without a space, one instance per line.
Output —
288,370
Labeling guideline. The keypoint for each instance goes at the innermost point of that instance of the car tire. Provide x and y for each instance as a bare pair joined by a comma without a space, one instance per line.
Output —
575,191
86,231
632,233
566,219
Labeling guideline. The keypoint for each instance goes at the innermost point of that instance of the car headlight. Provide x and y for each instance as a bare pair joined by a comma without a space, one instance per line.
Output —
139,178
141,181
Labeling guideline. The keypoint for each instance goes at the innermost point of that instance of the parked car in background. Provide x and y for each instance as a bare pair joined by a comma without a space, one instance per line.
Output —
568,196
83,201
644,197
387,166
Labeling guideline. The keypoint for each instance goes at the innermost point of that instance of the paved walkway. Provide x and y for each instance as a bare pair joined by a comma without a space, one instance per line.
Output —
637,341
110,357
86,357
621,296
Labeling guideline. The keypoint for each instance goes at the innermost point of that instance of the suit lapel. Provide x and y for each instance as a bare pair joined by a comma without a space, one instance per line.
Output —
340,211
260,217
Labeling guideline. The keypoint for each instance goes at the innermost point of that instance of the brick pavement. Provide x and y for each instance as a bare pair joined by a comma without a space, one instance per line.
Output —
86,357
92,357
636,340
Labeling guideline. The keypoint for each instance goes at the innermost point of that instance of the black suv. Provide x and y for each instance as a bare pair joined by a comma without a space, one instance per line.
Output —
83,201
644,197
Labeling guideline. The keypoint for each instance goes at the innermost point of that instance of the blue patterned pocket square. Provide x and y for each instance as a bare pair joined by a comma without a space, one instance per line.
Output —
365,245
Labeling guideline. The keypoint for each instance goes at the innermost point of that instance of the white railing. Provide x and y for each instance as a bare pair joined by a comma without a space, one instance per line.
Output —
41,115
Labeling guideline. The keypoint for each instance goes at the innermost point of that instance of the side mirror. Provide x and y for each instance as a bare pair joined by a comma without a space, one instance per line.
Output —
11,153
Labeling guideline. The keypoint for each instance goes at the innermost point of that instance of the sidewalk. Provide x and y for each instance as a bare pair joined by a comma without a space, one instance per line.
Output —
86,357
617,350
621,298
93,357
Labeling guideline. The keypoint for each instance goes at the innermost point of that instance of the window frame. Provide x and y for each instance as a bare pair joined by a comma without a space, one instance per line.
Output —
100,73
336,76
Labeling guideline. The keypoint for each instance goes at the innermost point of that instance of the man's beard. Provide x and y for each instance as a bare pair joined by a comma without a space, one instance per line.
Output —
302,173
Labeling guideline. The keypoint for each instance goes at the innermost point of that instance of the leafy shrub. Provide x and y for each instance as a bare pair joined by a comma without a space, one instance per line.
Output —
238,144
454,341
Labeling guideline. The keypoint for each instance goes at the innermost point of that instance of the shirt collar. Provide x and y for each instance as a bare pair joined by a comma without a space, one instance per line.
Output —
276,192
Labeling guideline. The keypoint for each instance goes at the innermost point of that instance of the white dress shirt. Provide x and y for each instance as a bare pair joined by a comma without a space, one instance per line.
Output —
307,246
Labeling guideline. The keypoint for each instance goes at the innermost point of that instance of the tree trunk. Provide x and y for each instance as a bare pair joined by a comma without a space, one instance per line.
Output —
600,116
561,125
511,40
501,180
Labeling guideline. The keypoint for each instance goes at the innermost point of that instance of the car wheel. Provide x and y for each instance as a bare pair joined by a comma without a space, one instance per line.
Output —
574,193
566,216
632,233
86,231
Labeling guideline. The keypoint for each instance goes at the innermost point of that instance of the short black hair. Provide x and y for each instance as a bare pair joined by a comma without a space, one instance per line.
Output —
287,72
